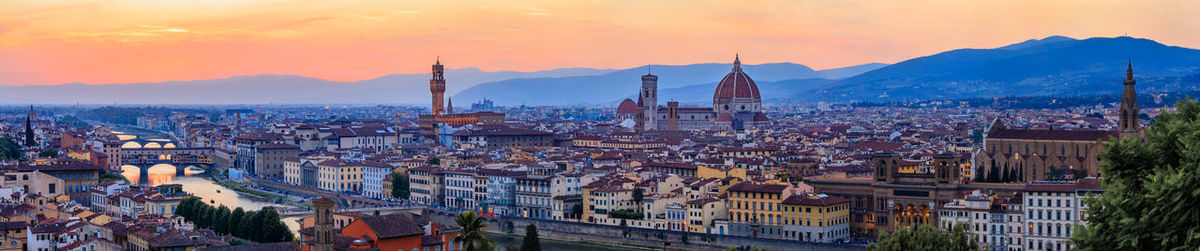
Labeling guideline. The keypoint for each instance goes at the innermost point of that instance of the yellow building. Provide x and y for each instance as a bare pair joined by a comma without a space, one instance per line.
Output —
164,199
757,203
720,172
340,175
816,218
599,202
702,212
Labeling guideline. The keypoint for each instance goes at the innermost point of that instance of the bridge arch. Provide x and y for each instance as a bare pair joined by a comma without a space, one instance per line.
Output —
131,144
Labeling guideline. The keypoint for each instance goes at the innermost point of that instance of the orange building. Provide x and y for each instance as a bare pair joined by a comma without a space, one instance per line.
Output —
385,232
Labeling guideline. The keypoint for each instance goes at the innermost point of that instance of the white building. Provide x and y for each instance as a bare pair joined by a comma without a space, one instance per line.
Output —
1053,209
373,175
972,212
460,189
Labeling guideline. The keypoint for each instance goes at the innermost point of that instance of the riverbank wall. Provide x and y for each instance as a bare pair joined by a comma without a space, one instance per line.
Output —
637,237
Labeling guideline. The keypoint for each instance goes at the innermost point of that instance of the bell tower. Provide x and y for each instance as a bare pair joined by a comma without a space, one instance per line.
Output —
437,87
649,97
1129,107
322,224
886,166
946,168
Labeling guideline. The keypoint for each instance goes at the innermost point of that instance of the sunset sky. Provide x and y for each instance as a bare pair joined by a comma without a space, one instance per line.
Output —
129,41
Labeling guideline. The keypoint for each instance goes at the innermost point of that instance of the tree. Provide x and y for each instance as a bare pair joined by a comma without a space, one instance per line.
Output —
210,217
255,232
9,149
246,227
222,217
925,237
184,208
993,175
434,161
273,230
531,242
233,222
638,196
399,185
577,210
472,237
48,153
1150,188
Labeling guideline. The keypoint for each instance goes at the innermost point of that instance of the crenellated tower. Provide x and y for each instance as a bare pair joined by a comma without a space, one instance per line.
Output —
437,87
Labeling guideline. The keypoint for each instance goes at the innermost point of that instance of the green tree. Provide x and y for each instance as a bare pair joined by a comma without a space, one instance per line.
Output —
220,220
273,230
255,232
472,237
531,242
184,208
233,223
399,186
48,153
1151,188
577,210
9,149
210,217
925,237
638,196
434,161
246,227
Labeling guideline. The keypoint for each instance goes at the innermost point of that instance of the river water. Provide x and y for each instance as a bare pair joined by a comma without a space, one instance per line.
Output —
196,182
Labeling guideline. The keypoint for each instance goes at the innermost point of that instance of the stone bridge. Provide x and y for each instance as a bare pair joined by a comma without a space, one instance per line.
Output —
144,158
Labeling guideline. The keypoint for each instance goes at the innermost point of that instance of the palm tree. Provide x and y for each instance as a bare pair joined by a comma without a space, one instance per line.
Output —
472,236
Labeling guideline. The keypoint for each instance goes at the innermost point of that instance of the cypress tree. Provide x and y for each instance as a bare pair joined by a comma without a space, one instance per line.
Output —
222,217
246,226
233,222
531,242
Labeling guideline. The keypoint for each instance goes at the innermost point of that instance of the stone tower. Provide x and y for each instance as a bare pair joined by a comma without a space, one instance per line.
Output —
649,97
886,166
1129,107
946,168
673,116
322,224
437,87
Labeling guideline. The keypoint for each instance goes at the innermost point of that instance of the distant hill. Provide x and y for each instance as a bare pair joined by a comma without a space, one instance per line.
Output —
1054,66
287,89
697,80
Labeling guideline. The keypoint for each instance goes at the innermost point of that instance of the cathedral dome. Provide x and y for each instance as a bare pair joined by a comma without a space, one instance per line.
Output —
736,85
627,107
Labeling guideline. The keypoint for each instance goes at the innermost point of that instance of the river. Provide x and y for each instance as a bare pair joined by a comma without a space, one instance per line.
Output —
196,182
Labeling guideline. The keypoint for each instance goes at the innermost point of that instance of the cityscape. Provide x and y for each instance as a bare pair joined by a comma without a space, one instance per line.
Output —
1007,140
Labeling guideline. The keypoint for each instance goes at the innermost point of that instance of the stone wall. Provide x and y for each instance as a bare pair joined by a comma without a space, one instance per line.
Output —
651,238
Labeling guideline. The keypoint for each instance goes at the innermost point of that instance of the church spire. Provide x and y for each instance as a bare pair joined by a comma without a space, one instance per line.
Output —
1129,71
1128,124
